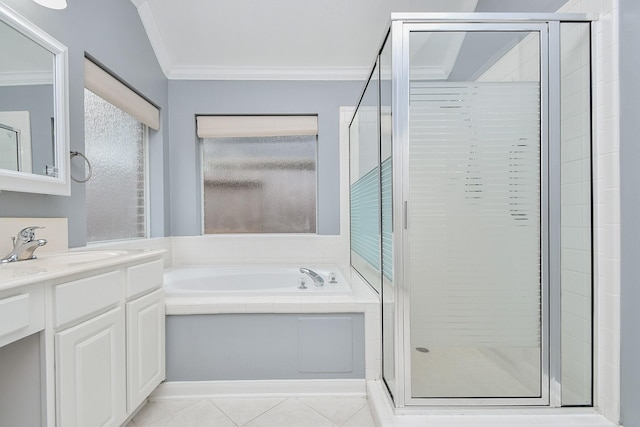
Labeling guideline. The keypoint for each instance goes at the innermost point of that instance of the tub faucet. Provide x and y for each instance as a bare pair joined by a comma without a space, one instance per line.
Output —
317,279
23,245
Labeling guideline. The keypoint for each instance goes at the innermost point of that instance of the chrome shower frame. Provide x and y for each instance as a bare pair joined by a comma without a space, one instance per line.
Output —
548,27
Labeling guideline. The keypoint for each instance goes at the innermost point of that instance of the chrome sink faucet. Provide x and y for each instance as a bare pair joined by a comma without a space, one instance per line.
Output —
317,279
23,245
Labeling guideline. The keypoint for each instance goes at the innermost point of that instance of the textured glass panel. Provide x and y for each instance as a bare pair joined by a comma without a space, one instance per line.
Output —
260,184
575,200
365,194
114,144
474,226
364,165
387,218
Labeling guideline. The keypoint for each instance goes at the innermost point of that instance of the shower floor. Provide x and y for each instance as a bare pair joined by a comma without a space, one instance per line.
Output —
459,372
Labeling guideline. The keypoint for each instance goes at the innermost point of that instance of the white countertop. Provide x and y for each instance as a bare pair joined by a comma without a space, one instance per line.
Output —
54,265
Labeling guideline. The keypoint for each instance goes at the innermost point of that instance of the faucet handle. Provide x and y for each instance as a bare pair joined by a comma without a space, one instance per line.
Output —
27,234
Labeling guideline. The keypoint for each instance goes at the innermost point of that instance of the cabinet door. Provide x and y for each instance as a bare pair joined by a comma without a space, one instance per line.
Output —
90,372
145,347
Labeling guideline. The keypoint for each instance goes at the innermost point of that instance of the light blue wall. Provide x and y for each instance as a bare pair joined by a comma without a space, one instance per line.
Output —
111,32
189,98
629,14
38,100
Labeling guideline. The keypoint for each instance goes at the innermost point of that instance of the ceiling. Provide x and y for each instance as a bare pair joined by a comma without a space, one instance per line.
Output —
286,39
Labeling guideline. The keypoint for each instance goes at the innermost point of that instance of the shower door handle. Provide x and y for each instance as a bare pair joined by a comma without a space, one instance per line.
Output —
405,214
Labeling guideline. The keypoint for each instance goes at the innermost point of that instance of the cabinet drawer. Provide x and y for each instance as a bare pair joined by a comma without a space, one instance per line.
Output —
21,313
14,313
144,277
81,298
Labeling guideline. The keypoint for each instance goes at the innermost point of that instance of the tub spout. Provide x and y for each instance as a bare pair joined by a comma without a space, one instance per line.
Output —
317,279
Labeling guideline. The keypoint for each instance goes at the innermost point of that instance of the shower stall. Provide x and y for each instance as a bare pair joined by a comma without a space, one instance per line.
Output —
471,208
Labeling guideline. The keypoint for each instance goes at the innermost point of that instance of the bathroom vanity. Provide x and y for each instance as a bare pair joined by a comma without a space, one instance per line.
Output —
95,321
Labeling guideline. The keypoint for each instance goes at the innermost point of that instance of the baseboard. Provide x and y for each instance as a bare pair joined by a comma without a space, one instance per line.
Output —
261,388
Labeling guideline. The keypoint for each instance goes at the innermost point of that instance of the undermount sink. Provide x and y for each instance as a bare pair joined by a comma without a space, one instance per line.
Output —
78,257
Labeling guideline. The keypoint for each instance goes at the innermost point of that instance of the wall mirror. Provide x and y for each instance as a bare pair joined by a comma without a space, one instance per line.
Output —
34,141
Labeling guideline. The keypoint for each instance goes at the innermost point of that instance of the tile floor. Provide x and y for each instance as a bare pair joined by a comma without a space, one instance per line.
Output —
257,412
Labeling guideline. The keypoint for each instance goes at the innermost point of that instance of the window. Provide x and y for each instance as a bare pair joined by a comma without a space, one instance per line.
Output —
116,135
259,173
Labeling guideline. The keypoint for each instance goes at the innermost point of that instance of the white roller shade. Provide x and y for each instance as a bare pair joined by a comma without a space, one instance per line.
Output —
111,89
253,126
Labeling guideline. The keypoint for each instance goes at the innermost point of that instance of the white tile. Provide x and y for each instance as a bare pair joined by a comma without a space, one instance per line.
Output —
232,308
201,414
291,413
259,304
243,410
337,409
362,418
153,413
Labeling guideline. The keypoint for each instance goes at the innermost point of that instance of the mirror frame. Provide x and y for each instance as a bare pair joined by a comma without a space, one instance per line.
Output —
29,182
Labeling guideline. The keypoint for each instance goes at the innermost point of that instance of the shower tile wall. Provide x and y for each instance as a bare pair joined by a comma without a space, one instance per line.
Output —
606,201
576,298
520,63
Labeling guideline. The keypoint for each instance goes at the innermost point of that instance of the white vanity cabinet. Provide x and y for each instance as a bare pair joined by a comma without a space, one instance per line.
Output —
91,372
145,331
109,337
90,356
92,323
145,347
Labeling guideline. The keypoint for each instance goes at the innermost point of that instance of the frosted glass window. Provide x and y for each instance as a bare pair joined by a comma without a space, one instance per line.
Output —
115,146
259,184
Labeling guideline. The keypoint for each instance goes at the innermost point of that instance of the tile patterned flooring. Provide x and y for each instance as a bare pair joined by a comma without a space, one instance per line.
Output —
257,412
342,411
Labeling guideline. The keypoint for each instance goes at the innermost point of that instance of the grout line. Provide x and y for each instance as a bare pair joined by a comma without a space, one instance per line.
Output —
316,411
227,415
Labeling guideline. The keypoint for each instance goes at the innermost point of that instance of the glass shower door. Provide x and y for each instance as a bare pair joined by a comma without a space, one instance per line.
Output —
474,220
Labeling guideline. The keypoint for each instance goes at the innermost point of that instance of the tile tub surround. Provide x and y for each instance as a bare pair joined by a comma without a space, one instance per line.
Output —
246,249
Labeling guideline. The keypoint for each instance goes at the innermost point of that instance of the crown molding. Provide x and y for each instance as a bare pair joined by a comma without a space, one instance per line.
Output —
429,73
174,72
268,73
26,78
235,73
153,34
